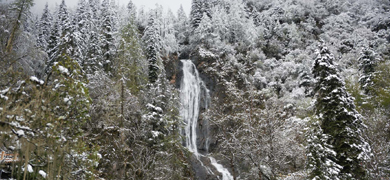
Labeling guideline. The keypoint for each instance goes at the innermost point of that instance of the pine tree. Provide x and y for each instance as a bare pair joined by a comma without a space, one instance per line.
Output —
181,27
61,39
54,38
196,13
321,156
367,64
341,124
80,34
107,44
152,44
93,61
45,28
132,9
129,65
204,34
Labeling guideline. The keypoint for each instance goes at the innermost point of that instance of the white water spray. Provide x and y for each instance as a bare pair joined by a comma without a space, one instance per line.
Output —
190,95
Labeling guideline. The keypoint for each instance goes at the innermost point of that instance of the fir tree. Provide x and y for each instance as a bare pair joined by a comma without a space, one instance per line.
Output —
132,9
367,64
204,34
321,156
339,121
93,59
80,33
62,40
53,42
196,13
152,43
45,28
54,114
107,44
181,26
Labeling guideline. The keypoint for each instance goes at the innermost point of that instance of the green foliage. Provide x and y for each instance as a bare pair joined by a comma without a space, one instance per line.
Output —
152,45
375,108
48,121
381,86
340,123
129,64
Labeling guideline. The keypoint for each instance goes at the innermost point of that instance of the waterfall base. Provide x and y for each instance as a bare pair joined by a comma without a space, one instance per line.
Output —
192,92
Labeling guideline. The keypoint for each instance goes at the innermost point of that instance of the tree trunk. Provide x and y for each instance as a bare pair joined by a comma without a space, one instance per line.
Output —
15,28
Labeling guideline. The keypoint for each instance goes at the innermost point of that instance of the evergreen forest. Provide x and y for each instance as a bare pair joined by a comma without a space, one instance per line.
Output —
233,89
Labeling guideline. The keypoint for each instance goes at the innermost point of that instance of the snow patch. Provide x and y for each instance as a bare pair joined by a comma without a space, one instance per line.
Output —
205,53
20,133
42,173
35,79
29,168
155,133
2,92
63,70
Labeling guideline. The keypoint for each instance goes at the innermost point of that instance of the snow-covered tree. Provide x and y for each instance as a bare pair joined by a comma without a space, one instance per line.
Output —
321,156
53,41
152,46
204,35
130,65
198,9
132,9
45,25
367,63
63,38
81,32
169,43
93,59
181,26
51,136
107,41
196,13
340,123
21,10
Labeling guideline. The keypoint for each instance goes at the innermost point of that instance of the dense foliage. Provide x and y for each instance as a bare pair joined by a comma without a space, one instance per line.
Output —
298,89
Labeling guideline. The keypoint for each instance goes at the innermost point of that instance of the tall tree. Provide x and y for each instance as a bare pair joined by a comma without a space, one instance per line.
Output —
107,44
340,123
367,64
152,44
61,39
132,9
204,34
94,57
21,8
196,13
80,33
49,123
53,42
181,26
45,24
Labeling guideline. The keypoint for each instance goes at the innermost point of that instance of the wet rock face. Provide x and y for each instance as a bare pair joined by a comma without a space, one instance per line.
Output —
205,142
171,65
200,169
201,58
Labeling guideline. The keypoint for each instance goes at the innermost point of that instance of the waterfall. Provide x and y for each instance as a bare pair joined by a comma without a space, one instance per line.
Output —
190,98
190,95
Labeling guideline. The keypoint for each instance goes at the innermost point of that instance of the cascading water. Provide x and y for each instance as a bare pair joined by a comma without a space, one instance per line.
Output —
190,98
190,95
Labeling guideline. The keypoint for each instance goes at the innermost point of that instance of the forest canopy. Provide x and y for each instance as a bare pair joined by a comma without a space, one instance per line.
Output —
295,89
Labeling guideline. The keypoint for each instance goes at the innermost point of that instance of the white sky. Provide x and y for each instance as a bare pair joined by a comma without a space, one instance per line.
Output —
148,4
